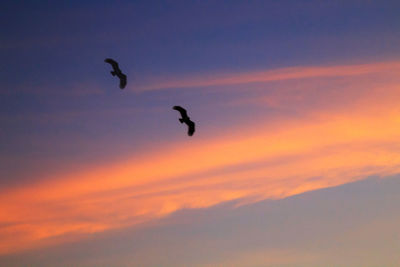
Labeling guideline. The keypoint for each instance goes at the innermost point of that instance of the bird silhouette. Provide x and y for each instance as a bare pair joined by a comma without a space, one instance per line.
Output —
185,119
117,71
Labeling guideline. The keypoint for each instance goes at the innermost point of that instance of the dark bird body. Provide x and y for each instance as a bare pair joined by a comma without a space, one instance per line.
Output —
185,119
117,71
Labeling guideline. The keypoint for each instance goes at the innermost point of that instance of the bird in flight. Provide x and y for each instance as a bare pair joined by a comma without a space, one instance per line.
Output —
185,119
117,71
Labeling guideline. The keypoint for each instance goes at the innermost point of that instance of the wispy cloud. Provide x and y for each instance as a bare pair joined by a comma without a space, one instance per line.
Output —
262,76
338,151
351,225
269,160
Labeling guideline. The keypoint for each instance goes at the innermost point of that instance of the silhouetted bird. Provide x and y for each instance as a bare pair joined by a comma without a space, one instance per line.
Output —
185,119
117,71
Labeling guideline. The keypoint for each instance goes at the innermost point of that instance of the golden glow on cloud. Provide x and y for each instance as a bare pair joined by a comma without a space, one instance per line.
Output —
274,160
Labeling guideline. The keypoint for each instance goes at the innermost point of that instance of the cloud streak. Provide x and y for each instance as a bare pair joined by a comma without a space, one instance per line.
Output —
263,76
270,160
353,225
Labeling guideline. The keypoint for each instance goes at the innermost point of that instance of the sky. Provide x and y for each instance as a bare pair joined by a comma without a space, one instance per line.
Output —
295,160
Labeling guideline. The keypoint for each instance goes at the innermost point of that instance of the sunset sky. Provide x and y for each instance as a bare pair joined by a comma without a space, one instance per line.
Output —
296,156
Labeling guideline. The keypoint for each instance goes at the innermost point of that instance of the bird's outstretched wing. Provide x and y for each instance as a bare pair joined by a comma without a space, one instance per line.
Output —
181,110
113,63
122,80
191,127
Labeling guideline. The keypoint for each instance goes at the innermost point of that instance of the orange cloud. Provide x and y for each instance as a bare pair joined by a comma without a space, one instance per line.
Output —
274,160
